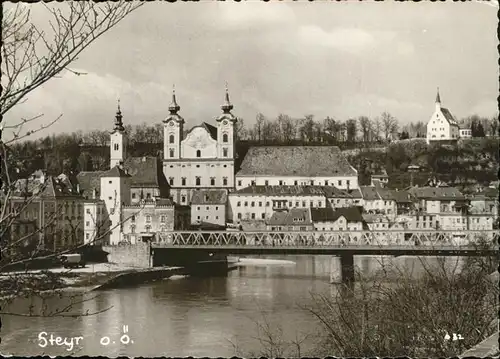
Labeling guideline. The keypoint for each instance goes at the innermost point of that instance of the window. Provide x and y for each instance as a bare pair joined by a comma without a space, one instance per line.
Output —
133,195
198,153
340,182
312,182
252,204
197,166
212,181
224,181
183,199
87,235
348,182
224,138
132,229
162,219
290,204
260,204
88,210
281,183
171,139
239,182
297,204
171,152
171,181
110,182
87,223
253,183
266,183
116,147
208,208
319,203
133,218
326,182
263,216
238,204
148,228
253,215
110,198
224,152
148,195
239,215
198,208
267,204
295,183
303,203
246,204
198,181
183,181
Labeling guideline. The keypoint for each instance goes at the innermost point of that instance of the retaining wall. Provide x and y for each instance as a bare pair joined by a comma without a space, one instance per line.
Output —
132,255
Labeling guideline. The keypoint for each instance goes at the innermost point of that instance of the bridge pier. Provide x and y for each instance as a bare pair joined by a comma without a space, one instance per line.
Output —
342,269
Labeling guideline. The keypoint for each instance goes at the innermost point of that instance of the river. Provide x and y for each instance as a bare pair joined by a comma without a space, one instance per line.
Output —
191,316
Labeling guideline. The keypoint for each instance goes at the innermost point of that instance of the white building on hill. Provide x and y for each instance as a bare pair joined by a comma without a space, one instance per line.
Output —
442,126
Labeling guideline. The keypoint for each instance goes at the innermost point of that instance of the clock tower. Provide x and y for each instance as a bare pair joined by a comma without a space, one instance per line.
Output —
173,127
225,131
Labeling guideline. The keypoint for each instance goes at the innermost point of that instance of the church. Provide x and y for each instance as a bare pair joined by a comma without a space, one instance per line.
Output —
442,126
204,158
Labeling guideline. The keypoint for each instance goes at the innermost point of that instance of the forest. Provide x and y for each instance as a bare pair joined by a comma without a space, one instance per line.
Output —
370,145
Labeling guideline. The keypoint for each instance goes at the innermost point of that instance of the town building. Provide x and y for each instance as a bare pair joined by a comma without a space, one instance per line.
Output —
381,178
465,132
147,178
376,222
208,207
296,166
442,126
204,159
340,219
141,221
338,198
258,202
293,219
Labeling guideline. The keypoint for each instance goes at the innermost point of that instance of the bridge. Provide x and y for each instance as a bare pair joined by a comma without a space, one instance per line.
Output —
335,243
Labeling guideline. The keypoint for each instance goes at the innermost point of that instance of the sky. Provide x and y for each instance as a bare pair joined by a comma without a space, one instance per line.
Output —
337,59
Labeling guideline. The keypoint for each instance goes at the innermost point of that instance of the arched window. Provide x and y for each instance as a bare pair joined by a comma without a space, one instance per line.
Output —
183,199
198,181
198,153
224,138
212,181
171,139
116,146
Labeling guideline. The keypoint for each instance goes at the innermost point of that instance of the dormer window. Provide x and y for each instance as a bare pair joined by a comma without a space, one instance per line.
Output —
198,153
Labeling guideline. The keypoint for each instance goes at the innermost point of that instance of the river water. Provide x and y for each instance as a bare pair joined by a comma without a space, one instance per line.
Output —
185,316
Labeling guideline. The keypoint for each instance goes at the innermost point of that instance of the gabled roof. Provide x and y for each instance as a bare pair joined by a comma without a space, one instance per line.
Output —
293,217
402,197
351,214
211,196
447,193
116,171
334,192
448,116
369,193
145,172
88,181
212,130
307,161
282,190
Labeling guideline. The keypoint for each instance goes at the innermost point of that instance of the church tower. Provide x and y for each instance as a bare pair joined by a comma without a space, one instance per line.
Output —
438,101
173,127
226,131
118,137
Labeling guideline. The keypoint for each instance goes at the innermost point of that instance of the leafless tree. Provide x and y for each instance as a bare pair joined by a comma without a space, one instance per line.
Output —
260,119
377,128
288,128
390,125
365,124
31,56
240,131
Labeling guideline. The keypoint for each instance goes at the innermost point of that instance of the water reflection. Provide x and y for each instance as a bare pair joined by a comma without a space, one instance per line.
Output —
197,316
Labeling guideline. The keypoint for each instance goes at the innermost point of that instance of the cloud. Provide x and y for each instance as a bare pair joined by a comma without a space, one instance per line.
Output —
351,40
251,14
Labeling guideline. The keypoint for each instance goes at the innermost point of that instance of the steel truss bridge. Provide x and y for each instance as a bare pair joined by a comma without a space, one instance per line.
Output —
430,243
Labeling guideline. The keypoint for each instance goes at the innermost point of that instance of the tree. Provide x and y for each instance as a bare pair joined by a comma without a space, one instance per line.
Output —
288,128
306,129
377,128
389,125
351,130
258,127
494,126
365,124
32,56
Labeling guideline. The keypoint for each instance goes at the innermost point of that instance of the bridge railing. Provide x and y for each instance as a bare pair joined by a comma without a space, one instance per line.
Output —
326,239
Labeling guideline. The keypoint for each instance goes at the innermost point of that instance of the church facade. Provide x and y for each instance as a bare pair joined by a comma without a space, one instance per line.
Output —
203,159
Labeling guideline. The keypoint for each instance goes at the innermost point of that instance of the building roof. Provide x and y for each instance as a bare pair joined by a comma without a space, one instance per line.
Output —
88,181
211,196
486,193
369,193
116,171
307,161
351,214
334,192
212,130
145,172
402,196
374,218
448,116
52,187
292,217
449,193
282,190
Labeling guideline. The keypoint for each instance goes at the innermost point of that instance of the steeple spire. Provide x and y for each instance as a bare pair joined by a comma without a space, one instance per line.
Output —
118,119
438,98
174,107
227,106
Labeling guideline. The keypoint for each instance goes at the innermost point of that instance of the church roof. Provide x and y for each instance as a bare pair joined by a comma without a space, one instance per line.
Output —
212,130
449,117
307,161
